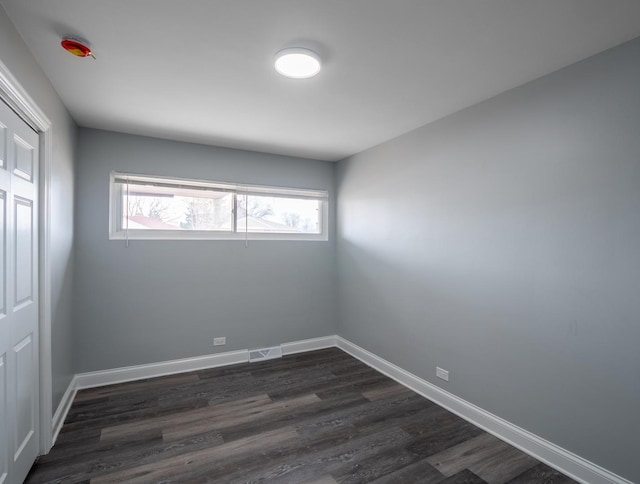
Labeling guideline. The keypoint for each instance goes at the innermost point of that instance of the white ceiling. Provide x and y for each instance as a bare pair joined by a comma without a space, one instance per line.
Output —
201,70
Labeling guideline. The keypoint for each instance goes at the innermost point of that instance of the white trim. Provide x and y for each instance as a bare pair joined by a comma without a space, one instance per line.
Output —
94,379
63,408
566,462
171,367
12,92
305,345
159,235
46,310
138,372
131,373
117,232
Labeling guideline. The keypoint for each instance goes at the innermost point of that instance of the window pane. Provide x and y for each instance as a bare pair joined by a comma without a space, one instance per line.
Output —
169,208
160,208
279,215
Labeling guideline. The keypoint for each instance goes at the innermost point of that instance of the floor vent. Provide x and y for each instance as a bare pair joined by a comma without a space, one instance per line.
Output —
265,354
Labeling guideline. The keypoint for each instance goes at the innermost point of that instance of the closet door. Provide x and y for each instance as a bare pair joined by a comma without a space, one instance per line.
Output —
19,370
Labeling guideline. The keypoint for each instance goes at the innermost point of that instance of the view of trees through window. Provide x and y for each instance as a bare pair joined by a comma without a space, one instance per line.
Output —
259,213
176,208
168,208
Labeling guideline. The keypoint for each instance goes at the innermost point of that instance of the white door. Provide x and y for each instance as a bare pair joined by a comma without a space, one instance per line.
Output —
19,372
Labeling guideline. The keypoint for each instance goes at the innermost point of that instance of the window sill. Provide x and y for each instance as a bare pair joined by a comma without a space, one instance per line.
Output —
219,236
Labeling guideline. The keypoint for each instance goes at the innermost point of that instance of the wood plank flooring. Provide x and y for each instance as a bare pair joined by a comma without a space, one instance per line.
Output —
320,417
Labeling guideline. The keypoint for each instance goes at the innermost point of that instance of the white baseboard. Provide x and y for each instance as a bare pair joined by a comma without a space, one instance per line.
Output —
152,370
138,372
63,409
172,367
566,462
308,345
131,373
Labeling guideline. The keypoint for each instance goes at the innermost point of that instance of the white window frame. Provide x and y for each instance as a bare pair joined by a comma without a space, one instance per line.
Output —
116,232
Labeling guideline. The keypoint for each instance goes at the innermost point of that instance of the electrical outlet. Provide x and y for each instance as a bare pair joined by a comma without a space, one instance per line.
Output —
440,373
220,341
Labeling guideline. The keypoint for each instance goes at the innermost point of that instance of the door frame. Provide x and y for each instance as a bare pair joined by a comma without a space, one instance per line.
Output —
13,94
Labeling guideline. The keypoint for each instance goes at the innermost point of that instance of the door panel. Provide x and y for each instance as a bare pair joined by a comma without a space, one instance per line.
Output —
4,454
19,339
24,419
24,251
3,255
24,158
3,146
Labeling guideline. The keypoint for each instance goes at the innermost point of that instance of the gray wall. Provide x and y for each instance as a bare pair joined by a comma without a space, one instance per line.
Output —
18,59
161,300
502,243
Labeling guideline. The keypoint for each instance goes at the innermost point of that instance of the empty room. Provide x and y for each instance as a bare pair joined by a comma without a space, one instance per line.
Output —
320,241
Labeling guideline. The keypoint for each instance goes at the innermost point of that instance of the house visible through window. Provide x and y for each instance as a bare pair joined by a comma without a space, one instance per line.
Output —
144,207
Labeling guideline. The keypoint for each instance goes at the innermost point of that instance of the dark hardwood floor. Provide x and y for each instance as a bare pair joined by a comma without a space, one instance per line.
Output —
319,417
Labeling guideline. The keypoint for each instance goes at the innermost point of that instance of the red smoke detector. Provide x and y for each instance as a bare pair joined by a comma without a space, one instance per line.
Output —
76,47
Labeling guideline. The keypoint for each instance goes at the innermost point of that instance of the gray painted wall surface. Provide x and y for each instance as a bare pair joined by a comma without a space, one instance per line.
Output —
17,57
161,300
502,243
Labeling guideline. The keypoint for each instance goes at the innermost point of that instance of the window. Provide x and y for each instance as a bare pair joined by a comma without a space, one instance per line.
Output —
146,207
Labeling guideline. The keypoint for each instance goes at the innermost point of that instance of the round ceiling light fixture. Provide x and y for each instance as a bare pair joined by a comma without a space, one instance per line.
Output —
297,63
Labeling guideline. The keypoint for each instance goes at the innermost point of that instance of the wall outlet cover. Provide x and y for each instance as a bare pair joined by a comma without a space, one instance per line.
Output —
220,341
443,374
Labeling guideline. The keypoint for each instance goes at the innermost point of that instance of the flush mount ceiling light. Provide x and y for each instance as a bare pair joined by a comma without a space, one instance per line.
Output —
297,63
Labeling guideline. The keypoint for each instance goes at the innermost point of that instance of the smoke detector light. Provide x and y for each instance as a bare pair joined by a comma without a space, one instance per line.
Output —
297,63
77,47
